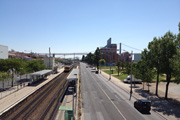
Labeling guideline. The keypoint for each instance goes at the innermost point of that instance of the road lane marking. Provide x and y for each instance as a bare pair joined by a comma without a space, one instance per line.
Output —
110,100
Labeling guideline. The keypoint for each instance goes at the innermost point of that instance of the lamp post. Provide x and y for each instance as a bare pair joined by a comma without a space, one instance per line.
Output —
131,75
110,67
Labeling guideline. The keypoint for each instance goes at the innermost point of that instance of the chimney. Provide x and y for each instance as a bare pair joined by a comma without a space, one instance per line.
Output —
120,48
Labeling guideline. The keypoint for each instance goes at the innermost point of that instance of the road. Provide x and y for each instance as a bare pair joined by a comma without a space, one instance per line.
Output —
103,100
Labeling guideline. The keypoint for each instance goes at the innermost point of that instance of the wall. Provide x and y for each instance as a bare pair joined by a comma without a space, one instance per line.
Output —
3,52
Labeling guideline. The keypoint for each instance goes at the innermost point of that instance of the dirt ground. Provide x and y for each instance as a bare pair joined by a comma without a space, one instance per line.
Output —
173,91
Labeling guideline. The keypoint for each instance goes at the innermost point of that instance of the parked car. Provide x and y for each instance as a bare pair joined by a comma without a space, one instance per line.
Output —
134,80
142,105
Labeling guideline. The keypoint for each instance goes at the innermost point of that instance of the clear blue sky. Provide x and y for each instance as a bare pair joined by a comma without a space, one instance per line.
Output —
84,25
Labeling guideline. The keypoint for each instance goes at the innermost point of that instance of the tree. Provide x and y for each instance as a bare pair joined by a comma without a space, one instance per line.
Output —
102,62
118,65
33,66
143,72
89,58
97,57
127,68
122,64
177,59
13,66
3,77
153,57
83,58
167,53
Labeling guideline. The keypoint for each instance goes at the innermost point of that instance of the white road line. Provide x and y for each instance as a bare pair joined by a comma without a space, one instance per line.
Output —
110,100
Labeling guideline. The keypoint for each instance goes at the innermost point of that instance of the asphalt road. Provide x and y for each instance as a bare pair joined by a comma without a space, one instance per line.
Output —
103,100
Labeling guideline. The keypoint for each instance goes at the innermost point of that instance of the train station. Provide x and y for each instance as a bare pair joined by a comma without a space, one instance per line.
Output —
39,75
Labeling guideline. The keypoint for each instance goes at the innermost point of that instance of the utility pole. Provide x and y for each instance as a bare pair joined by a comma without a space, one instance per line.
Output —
131,76
110,66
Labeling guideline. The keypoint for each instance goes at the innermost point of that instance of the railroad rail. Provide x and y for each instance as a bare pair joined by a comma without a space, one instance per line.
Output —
35,106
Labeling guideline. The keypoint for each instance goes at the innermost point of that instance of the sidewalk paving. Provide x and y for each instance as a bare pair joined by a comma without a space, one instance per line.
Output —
169,109
15,97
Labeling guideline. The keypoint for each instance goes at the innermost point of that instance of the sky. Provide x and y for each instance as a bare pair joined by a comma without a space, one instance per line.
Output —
68,26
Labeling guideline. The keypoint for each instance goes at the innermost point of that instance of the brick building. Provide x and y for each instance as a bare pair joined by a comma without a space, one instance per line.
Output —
125,57
109,53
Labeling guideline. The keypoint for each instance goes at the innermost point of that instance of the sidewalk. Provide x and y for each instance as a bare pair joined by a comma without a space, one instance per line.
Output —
14,98
159,105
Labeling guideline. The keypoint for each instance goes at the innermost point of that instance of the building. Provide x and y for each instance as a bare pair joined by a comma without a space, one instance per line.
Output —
125,57
137,57
109,53
49,62
3,52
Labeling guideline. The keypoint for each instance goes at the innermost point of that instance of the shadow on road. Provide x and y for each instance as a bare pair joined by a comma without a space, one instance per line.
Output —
159,104
134,86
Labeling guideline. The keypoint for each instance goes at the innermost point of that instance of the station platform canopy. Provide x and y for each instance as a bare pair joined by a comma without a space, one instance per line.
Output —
74,75
39,75
42,72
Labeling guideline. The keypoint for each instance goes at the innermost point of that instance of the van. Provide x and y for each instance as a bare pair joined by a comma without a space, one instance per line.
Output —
134,80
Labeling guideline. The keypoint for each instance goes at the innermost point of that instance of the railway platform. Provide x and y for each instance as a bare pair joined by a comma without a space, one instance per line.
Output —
67,102
14,98
70,98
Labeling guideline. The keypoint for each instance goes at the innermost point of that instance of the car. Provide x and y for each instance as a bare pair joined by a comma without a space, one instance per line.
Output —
134,80
97,72
142,105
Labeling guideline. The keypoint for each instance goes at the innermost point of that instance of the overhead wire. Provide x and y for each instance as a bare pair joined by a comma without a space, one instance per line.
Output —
131,47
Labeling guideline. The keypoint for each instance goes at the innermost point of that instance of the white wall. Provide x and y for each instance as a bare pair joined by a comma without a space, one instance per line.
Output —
3,52
137,57
50,60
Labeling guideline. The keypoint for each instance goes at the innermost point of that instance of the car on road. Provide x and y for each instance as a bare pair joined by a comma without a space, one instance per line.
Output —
142,105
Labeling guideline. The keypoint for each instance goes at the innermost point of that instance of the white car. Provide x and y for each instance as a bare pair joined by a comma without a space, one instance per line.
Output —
134,80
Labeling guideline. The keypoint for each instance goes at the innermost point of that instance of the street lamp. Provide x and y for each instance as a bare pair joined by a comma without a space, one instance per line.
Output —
110,67
131,75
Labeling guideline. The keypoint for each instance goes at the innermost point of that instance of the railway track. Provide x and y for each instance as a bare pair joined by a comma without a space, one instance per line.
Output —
43,104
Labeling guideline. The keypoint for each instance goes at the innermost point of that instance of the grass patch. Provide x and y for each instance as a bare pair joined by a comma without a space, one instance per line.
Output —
106,71
162,78
121,77
107,67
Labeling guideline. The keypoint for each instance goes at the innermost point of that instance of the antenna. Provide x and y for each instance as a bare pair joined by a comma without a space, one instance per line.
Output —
49,55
